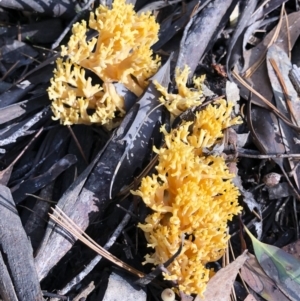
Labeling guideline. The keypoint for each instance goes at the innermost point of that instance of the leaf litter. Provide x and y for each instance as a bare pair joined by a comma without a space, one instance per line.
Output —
53,167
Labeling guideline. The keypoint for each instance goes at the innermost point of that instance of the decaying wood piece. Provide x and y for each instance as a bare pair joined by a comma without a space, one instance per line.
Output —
15,93
34,184
18,277
22,129
202,31
114,167
7,291
35,225
169,29
235,48
16,110
63,8
35,31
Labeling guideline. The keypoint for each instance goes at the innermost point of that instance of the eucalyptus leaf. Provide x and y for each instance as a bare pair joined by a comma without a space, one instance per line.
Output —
262,284
280,266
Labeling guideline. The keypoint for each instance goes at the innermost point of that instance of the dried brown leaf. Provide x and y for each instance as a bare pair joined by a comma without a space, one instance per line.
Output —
223,281
256,278
259,80
250,297
293,249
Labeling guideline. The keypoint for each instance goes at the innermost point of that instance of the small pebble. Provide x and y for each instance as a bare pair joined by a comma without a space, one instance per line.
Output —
167,295
271,179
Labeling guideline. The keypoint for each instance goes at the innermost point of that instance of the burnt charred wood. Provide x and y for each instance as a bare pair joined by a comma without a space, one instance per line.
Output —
18,275
59,8
113,168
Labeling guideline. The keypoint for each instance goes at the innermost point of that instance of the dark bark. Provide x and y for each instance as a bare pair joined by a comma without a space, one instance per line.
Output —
57,8
18,277
112,169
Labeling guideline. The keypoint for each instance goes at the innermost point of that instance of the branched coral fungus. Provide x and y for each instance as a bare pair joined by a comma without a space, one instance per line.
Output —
186,97
120,53
191,195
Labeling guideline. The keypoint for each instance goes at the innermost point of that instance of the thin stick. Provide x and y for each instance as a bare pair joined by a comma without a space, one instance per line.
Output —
267,102
288,33
257,215
9,71
41,199
78,145
274,156
284,89
232,253
78,278
64,221
68,27
260,60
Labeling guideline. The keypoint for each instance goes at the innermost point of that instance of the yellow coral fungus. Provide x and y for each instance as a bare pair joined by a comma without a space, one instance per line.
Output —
209,125
186,97
193,196
120,53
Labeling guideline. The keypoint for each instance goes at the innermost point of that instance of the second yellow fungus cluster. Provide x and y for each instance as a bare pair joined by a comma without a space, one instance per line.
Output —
191,195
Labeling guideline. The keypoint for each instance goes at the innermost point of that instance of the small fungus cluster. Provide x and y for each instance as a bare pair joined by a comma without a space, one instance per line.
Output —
121,53
185,98
191,195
